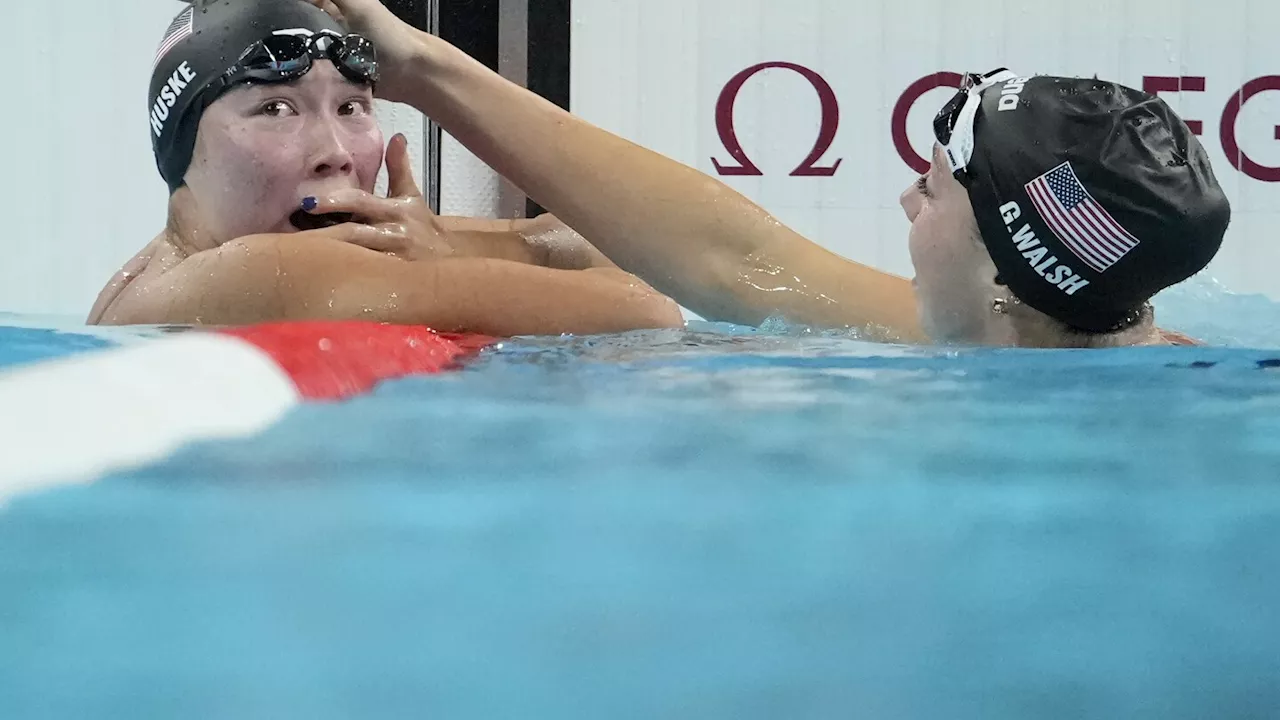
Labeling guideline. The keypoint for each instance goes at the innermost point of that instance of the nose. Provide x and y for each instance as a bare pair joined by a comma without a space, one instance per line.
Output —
911,202
330,154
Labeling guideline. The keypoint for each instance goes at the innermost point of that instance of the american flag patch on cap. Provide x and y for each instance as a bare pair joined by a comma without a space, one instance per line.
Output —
178,31
1079,221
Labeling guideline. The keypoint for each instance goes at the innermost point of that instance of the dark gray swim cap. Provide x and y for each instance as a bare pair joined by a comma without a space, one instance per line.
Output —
1090,196
204,41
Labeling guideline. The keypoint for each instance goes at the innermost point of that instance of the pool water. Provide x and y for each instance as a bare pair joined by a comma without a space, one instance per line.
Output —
712,523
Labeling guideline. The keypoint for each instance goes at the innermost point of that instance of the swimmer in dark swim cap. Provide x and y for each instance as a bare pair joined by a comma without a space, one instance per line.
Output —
1054,209
262,124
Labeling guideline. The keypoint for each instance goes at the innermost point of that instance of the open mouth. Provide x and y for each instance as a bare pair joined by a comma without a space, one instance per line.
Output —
308,221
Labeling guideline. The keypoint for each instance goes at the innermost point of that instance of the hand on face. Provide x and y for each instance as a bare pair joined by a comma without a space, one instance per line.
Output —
397,42
400,224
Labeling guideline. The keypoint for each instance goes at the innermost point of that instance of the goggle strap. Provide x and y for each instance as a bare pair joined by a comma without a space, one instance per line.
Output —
959,150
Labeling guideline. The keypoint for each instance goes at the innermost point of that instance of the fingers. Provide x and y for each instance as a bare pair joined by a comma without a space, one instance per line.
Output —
542,223
365,207
334,11
328,7
348,9
388,238
400,180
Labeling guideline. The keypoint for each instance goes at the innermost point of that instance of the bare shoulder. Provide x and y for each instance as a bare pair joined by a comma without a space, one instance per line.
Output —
153,260
252,279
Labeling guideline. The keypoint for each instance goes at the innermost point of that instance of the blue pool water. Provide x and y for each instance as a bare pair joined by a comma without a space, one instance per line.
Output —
714,523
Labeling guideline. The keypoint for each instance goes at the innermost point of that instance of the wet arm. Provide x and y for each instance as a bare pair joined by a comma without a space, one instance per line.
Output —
272,278
688,234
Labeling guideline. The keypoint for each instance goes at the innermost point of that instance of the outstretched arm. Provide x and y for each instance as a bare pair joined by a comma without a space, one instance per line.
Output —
691,236
287,277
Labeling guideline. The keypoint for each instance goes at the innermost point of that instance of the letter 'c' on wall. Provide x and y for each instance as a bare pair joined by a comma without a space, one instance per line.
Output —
903,107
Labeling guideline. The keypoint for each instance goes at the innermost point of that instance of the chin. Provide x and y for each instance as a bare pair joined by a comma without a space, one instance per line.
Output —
942,330
956,332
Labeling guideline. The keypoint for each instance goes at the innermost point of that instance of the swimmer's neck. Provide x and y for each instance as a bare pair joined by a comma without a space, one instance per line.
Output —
183,229
1029,328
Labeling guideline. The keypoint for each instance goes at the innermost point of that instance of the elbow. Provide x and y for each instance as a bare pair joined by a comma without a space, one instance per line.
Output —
637,306
649,311
661,312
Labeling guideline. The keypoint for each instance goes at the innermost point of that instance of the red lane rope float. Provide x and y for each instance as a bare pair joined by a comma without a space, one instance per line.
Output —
335,360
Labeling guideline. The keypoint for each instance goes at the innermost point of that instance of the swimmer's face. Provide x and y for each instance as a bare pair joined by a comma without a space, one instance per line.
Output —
262,148
955,278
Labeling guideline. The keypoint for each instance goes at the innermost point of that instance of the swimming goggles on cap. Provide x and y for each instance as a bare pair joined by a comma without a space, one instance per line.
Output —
285,56
953,125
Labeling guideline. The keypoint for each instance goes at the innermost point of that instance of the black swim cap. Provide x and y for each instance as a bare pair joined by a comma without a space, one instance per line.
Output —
1091,197
204,41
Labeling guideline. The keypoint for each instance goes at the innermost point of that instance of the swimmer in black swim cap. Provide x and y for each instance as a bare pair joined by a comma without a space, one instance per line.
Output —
261,117
1054,210
253,107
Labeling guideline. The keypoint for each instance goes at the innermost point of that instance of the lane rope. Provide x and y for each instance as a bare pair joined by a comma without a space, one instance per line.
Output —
72,420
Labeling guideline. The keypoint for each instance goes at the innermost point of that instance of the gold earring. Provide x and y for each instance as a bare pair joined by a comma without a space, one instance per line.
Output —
1000,306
